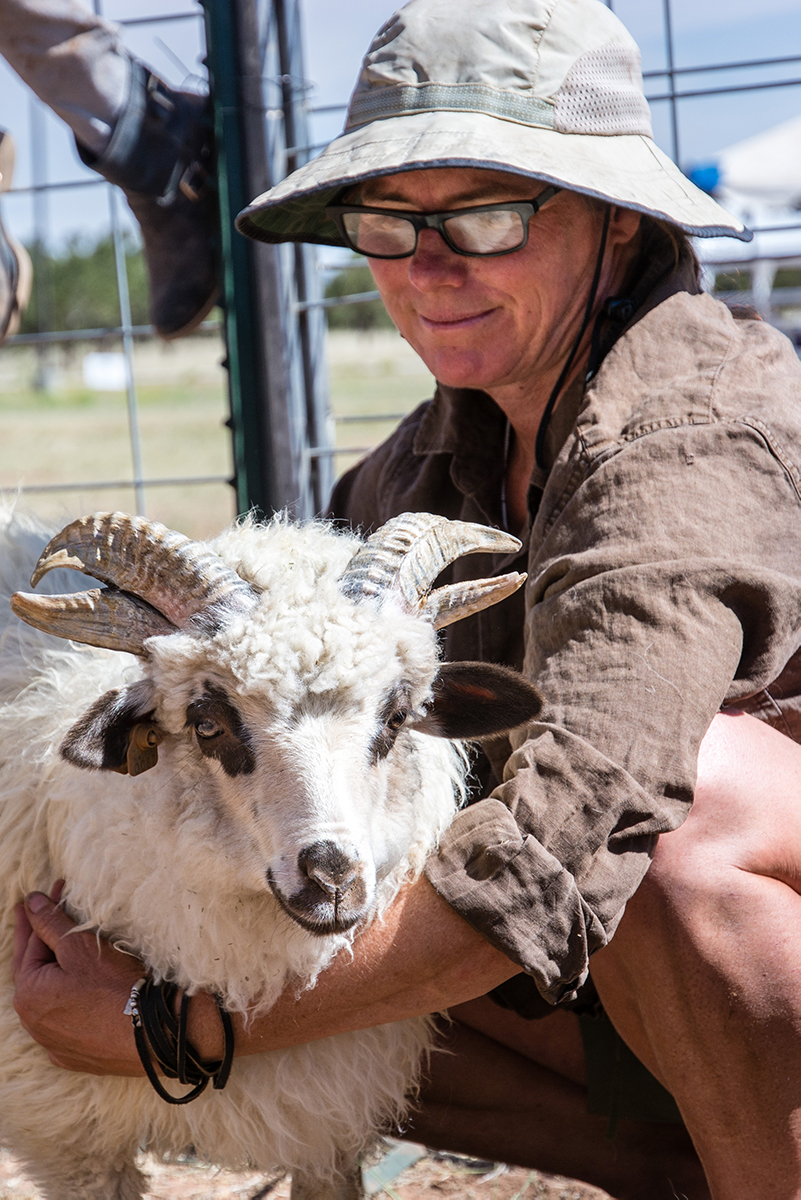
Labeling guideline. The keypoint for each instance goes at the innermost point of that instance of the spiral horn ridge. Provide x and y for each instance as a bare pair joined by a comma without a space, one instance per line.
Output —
158,581
405,556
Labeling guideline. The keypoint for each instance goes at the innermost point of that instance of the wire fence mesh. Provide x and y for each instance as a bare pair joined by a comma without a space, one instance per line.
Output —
159,440
106,415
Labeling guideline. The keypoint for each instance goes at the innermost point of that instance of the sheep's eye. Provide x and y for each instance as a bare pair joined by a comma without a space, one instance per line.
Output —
392,716
208,729
220,731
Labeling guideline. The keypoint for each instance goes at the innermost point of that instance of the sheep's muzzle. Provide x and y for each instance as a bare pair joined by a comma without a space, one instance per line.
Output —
333,895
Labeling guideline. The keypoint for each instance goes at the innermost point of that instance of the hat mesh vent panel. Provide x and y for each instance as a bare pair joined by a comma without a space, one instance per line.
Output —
602,94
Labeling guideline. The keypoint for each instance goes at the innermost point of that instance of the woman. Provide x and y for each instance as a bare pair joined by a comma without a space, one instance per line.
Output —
530,242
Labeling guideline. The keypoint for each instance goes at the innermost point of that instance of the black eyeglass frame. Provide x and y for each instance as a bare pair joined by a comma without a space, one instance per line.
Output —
436,220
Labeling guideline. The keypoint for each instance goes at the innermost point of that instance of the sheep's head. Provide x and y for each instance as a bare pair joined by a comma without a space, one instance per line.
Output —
300,707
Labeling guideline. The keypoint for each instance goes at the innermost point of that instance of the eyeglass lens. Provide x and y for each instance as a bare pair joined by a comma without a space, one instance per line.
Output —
487,232
382,235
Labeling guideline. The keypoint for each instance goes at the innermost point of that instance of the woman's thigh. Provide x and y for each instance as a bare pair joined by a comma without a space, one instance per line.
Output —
708,952
513,1090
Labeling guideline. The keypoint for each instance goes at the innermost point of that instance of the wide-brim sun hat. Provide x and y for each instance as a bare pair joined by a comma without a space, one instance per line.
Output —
548,89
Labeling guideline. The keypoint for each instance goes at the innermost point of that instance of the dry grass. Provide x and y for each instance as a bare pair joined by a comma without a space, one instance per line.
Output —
70,434
445,1178
371,375
434,1177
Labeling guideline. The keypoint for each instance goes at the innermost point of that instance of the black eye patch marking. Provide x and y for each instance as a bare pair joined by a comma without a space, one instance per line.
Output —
392,718
220,732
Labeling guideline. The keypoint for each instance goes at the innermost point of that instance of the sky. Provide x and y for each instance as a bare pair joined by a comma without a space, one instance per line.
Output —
704,31
337,34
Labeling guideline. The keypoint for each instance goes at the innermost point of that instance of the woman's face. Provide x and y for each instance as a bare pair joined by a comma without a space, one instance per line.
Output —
494,322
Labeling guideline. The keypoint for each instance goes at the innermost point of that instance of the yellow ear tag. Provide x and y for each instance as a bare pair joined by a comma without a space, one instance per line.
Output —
143,743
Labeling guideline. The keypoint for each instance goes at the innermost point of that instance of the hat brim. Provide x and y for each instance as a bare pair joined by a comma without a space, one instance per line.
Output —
625,169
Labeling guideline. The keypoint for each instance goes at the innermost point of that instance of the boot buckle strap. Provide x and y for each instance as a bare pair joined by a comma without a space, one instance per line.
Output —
194,181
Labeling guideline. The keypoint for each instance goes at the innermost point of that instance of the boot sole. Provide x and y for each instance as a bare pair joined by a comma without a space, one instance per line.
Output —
200,315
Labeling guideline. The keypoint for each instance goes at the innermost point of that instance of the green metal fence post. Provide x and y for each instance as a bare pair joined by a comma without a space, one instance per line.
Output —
268,376
251,477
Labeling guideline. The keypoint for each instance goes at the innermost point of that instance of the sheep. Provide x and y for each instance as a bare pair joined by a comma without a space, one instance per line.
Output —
267,695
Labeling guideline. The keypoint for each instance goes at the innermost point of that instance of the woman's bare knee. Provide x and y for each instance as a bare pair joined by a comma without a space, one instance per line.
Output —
730,860
724,886
747,809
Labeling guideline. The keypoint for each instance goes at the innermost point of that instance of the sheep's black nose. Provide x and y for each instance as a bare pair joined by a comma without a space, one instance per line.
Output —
326,865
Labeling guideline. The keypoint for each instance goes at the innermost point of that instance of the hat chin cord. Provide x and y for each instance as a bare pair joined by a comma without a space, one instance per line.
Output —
539,446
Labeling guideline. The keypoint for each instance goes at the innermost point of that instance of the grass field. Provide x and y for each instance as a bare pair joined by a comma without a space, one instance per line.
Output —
70,434
372,375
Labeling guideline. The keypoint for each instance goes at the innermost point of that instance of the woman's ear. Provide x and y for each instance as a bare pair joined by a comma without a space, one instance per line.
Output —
624,225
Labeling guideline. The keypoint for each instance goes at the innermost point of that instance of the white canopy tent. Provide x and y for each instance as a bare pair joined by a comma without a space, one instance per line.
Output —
759,179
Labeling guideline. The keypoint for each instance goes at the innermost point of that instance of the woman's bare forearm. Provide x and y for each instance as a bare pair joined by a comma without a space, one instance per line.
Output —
420,958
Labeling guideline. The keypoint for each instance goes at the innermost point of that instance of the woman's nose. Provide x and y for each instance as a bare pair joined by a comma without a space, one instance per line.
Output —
434,264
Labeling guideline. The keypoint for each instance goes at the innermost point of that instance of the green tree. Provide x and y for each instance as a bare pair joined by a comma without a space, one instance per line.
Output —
76,287
369,315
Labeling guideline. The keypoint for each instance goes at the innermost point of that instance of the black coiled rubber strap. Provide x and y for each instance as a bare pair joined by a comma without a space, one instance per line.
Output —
160,1036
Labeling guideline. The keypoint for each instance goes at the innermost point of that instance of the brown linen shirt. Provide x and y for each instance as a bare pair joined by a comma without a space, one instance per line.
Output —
664,560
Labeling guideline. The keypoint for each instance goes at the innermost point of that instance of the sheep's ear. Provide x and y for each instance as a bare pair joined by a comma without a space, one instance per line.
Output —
476,700
116,734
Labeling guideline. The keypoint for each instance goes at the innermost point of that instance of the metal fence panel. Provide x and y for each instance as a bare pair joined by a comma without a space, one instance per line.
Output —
127,487
274,319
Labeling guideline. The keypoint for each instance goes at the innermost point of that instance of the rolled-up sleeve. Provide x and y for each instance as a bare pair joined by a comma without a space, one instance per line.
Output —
663,584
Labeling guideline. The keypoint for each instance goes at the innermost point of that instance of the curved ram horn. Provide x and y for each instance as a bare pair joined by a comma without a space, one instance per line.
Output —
449,604
407,554
99,618
179,578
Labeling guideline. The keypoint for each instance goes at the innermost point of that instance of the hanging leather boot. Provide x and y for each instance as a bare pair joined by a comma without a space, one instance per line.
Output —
15,264
161,154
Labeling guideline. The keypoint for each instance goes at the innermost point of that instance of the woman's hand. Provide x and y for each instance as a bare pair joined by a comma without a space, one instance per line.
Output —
71,989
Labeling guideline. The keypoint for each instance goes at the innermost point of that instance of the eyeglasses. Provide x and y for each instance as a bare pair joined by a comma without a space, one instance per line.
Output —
487,230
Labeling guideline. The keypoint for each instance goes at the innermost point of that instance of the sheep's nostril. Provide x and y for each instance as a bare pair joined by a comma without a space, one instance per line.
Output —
324,864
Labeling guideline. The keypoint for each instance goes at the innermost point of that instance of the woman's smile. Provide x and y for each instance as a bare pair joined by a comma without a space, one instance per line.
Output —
446,324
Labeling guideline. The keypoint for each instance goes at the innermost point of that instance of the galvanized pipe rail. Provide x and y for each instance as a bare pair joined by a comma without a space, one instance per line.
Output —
274,331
